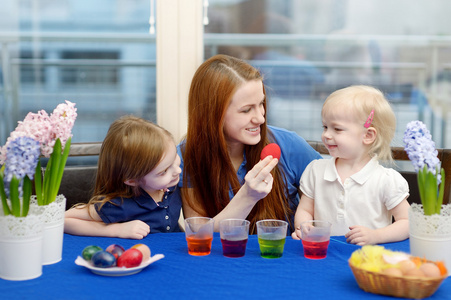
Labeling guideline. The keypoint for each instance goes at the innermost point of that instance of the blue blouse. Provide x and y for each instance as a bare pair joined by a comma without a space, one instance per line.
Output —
296,155
161,217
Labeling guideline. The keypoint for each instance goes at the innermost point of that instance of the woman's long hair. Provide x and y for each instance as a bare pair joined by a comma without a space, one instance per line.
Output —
208,169
132,148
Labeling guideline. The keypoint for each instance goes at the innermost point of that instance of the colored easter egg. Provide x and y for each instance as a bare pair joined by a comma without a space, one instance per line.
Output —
89,251
271,149
115,249
130,258
414,273
145,250
392,272
406,265
430,269
103,259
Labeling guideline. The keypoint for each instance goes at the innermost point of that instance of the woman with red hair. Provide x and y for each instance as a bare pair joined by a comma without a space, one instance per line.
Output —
222,174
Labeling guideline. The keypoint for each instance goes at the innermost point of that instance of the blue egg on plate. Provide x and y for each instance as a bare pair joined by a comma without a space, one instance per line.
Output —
103,259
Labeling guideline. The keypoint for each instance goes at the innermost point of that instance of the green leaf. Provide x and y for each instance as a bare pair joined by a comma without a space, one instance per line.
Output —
421,183
14,196
48,187
54,171
26,195
51,172
441,193
6,210
61,166
430,193
47,179
38,184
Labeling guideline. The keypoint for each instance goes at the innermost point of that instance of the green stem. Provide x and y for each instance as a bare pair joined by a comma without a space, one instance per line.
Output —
430,192
14,196
38,183
60,169
441,193
26,195
421,177
54,171
56,160
6,210
46,181
51,172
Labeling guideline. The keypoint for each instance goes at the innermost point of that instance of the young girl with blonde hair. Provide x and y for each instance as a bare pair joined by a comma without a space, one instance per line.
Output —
138,170
352,190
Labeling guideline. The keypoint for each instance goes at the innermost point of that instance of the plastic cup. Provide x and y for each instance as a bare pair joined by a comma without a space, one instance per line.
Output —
271,237
199,234
315,238
234,234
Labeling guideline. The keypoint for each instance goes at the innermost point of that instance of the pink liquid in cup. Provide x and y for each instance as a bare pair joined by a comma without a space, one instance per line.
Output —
315,250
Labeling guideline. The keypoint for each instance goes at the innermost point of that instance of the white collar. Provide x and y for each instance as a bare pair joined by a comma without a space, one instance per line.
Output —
331,174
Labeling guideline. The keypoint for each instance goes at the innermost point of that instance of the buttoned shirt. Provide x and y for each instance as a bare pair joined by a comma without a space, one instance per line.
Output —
160,216
365,198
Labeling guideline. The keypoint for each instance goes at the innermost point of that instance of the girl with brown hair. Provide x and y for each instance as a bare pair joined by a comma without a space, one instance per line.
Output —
223,176
138,170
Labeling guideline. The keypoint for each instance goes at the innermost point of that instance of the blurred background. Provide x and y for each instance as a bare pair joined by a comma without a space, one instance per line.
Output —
100,55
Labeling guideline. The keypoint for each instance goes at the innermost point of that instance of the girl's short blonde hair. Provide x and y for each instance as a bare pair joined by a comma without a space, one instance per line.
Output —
360,100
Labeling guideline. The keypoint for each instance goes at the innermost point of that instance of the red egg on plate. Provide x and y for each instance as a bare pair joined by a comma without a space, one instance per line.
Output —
145,250
130,258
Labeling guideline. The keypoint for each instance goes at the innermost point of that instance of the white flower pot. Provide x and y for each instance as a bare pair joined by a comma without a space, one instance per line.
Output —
430,236
53,231
21,247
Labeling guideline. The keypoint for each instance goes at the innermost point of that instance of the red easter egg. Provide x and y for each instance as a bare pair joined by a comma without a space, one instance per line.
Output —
130,258
145,250
271,149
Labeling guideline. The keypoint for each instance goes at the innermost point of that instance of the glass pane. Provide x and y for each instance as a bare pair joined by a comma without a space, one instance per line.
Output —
309,48
97,54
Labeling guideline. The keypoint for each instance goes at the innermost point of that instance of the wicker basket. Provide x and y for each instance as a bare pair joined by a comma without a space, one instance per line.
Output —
405,287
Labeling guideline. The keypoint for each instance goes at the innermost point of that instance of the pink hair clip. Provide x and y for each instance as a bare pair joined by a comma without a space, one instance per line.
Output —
369,120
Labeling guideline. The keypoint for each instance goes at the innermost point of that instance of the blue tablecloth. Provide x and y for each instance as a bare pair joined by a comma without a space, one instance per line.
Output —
180,275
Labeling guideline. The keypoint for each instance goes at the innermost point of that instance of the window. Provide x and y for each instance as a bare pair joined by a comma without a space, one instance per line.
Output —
102,57
90,73
307,49
31,72
97,54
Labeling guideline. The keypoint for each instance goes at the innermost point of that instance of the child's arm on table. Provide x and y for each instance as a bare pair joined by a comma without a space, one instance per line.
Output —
304,212
397,231
79,221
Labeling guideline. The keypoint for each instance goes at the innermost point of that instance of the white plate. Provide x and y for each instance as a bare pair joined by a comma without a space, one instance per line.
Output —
116,271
